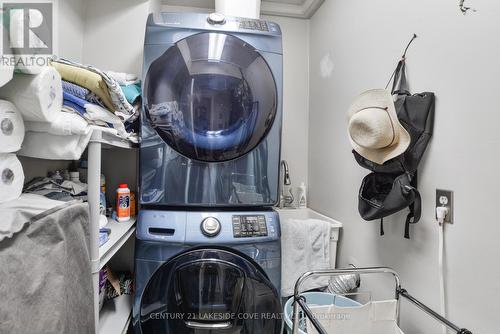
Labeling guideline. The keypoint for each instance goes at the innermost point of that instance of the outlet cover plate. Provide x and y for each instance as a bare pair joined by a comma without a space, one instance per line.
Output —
445,198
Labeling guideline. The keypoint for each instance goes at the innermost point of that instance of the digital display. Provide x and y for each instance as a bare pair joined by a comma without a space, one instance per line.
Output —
249,226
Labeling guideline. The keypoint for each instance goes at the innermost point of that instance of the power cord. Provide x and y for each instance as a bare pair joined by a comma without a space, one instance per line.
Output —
441,213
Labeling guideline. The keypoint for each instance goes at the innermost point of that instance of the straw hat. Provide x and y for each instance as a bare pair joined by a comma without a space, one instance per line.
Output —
374,129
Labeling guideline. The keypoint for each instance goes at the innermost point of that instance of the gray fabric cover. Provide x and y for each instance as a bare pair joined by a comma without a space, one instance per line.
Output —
46,284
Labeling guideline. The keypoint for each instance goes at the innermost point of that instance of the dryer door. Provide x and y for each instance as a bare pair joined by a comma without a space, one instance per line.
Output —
210,290
211,97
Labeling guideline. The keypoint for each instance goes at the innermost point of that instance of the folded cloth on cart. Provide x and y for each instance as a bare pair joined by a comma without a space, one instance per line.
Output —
16,213
305,246
378,317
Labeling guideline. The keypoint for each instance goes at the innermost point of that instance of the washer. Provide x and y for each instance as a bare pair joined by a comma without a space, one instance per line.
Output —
207,272
212,112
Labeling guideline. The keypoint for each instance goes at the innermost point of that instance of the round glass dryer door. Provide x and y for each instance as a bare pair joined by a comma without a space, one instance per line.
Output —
211,97
210,290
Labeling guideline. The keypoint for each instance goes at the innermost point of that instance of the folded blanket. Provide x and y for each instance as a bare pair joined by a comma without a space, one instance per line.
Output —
51,147
119,102
81,92
74,102
75,89
123,78
64,125
131,92
87,79
94,112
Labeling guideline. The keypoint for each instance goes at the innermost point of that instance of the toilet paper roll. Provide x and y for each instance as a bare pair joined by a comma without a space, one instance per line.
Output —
37,97
11,128
11,177
6,74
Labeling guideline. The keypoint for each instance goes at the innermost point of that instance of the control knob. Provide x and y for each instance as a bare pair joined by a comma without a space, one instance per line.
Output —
210,227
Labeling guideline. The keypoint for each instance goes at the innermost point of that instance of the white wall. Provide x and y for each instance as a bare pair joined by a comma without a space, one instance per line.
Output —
457,57
294,143
71,27
114,33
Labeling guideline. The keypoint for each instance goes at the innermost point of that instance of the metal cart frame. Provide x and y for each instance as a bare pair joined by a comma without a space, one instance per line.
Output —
300,301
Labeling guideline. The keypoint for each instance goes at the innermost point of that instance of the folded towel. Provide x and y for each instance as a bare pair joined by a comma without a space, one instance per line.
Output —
74,102
123,78
131,92
52,147
305,246
120,105
65,124
87,79
98,113
75,89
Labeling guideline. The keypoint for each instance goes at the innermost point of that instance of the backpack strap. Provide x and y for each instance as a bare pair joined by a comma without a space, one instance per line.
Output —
415,208
382,226
400,84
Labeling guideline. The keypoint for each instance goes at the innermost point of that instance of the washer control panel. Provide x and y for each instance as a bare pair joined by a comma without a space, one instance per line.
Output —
248,226
253,25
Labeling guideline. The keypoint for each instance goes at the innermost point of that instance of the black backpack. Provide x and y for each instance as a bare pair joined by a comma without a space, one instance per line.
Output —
392,186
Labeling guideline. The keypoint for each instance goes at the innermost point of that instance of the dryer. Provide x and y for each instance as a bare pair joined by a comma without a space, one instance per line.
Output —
212,112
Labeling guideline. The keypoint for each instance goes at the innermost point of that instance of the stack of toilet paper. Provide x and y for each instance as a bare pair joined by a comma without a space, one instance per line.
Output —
39,99
11,139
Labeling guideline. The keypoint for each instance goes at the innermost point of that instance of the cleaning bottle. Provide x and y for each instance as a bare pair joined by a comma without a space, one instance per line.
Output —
123,203
302,196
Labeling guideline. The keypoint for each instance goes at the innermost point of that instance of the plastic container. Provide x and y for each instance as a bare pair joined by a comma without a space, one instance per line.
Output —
133,212
302,196
74,176
318,299
103,184
123,203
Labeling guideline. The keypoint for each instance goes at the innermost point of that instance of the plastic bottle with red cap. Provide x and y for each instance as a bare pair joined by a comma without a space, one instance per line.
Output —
123,203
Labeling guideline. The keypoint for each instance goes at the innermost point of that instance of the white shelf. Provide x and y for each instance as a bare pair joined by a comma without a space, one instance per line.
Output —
114,318
110,140
120,233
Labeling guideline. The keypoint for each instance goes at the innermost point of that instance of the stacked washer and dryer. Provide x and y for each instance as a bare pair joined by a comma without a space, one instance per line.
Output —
208,257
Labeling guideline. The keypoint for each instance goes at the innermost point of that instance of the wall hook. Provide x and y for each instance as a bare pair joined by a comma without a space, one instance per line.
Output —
407,46
464,9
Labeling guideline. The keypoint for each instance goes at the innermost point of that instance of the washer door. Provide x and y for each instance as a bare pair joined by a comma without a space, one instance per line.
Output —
211,97
210,290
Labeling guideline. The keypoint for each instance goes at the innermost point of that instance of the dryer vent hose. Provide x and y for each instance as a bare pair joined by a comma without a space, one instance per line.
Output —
344,284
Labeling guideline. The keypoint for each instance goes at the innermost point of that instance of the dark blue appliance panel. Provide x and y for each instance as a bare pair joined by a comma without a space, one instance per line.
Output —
210,290
211,122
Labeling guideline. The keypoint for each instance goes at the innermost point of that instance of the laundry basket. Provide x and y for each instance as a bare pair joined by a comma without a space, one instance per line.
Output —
315,299
375,317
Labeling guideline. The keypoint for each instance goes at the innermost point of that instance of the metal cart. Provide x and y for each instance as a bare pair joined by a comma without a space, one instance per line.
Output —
300,302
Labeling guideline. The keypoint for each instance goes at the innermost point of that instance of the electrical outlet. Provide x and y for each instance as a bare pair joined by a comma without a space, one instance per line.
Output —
445,198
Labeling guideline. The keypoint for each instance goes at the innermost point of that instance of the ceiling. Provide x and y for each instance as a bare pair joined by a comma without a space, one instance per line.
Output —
292,8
